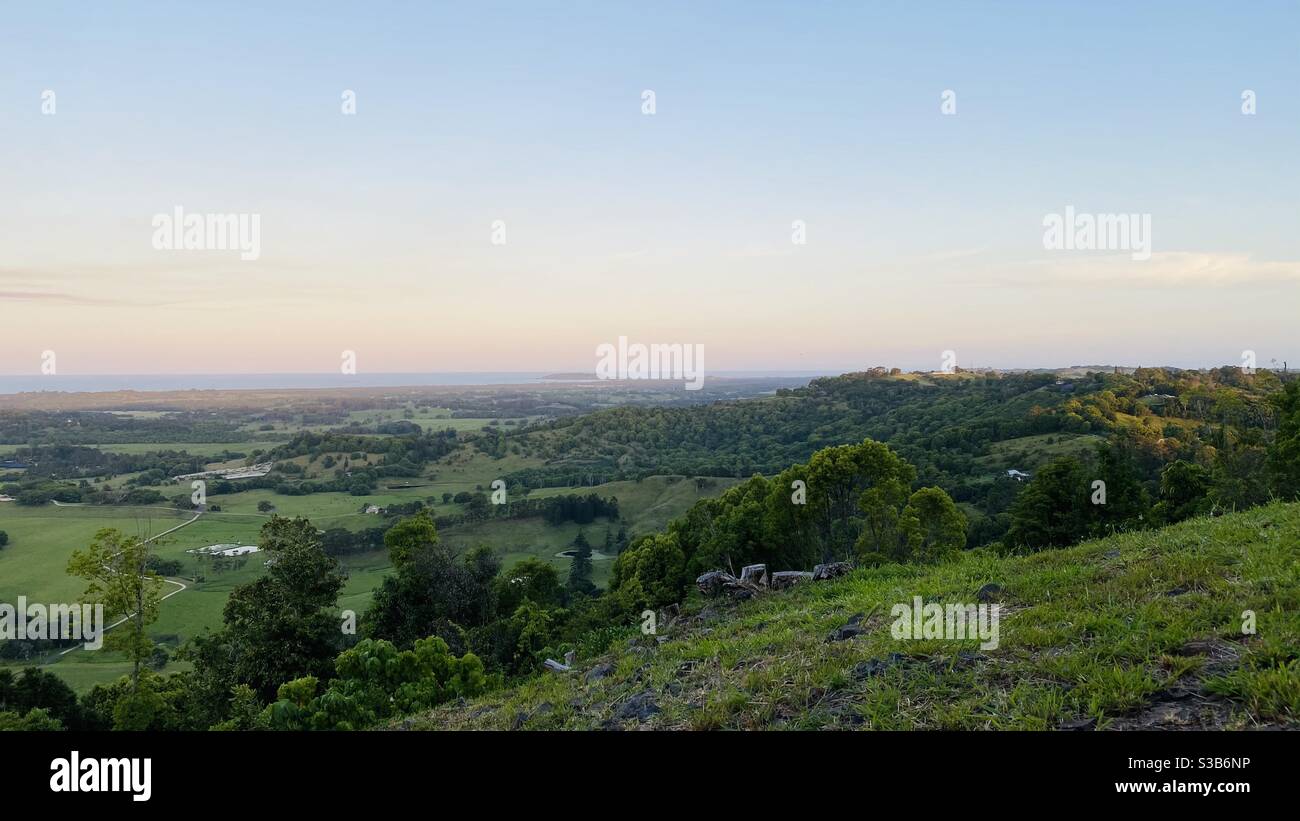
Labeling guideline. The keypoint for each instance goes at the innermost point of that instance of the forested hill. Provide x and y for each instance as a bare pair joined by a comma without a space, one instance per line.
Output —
949,426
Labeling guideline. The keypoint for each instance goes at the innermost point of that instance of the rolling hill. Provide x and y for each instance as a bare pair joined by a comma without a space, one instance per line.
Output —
1139,630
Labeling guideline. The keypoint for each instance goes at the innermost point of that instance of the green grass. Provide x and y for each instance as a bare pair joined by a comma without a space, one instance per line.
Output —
644,507
42,539
516,539
1099,634
1029,453
649,504
194,448
427,418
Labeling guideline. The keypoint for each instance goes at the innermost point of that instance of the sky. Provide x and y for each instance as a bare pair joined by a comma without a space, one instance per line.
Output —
380,231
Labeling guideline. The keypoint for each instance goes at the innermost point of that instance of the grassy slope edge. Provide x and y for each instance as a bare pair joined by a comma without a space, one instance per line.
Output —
1139,630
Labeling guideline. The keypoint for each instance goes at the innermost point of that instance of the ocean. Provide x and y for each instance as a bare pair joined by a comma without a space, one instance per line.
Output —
77,383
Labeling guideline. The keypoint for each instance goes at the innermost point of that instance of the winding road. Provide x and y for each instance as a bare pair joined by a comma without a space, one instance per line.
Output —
181,586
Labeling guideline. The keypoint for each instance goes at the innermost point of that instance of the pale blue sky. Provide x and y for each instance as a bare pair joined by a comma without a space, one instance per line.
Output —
924,231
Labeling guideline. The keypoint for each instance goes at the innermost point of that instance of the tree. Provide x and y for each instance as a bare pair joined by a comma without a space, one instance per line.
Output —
409,536
580,567
35,688
1127,502
530,630
1239,478
281,626
531,579
650,573
117,569
933,526
1284,454
35,720
375,681
265,507
882,533
1184,492
837,478
431,593
1049,512
4,538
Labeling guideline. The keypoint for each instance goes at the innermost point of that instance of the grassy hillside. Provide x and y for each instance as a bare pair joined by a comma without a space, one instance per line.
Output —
645,506
1138,630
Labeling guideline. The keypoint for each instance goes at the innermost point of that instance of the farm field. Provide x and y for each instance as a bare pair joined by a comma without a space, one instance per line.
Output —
1029,452
195,448
42,539
431,419
644,507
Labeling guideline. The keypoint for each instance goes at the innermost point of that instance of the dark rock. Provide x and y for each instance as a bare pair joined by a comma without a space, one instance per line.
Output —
966,658
851,629
600,671
989,593
789,578
668,616
874,667
755,574
1180,714
713,582
845,633
1110,554
1198,647
1220,656
1177,691
1079,724
639,707
831,570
